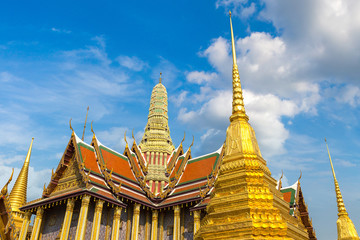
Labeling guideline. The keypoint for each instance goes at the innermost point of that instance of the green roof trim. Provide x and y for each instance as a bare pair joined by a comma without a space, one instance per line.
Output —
193,160
85,146
101,147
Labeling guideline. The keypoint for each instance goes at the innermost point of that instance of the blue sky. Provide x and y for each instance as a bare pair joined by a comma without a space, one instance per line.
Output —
299,67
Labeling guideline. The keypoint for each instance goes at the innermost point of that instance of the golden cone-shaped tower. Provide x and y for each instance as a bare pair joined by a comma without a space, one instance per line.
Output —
156,144
345,227
245,203
18,192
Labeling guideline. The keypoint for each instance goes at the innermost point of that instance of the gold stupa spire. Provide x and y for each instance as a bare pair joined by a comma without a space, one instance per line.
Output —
245,203
18,192
238,109
345,227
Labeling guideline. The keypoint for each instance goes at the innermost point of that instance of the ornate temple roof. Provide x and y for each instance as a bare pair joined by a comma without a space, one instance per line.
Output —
102,172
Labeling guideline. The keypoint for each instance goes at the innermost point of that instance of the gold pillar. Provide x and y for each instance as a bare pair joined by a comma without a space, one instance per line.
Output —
67,219
182,225
135,222
128,224
97,220
25,226
161,235
196,221
37,224
176,234
81,227
116,224
154,224
147,223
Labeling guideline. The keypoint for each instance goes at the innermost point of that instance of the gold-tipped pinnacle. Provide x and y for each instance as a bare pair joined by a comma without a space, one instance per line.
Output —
346,228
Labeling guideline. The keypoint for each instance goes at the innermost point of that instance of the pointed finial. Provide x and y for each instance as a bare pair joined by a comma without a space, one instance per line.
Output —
279,186
125,139
160,78
238,108
87,112
70,125
192,143
183,138
132,134
5,188
346,228
340,202
92,130
300,176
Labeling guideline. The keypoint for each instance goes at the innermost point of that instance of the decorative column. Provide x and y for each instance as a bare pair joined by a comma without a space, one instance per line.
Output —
81,227
161,235
135,222
116,224
196,221
147,226
176,234
154,224
97,220
37,224
182,224
128,224
25,226
67,219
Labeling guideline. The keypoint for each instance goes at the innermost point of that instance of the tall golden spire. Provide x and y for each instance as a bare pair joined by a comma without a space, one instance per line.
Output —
245,203
345,227
238,109
18,192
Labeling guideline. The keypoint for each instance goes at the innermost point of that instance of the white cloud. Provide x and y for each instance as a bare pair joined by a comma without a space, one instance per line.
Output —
349,94
179,98
114,138
345,163
200,77
169,71
242,8
58,30
132,63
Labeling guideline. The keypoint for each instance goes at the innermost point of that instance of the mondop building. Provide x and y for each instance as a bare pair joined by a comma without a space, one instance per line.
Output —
155,190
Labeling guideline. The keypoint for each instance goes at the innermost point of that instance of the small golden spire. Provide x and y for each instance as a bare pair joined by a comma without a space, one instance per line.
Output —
238,108
18,192
340,202
160,78
87,112
346,228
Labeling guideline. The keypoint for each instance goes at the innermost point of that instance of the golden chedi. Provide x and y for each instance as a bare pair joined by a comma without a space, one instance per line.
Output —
246,203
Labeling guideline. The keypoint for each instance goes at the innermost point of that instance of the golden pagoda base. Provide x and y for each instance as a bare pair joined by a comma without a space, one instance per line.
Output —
346,229
247,205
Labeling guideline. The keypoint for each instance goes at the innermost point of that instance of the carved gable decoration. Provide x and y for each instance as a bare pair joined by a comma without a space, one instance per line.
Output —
71,179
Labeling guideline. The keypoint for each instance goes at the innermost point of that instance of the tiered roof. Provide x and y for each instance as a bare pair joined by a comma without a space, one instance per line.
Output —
102,172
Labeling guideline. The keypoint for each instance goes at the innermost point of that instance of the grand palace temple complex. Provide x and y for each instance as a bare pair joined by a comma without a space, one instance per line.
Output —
155,190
